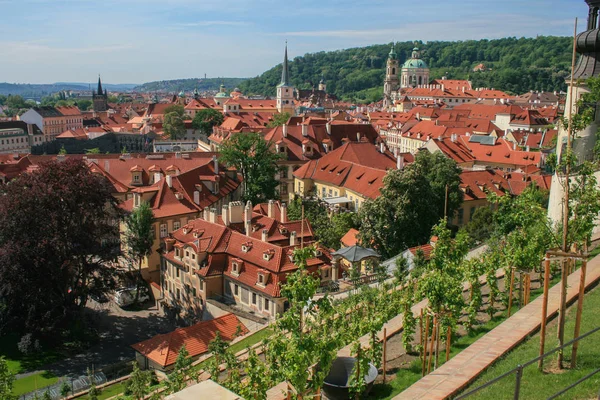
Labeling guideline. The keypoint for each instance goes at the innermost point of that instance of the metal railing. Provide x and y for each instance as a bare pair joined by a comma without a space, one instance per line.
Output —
518,372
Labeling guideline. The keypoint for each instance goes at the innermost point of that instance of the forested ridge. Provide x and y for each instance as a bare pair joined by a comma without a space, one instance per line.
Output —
515,65
187,85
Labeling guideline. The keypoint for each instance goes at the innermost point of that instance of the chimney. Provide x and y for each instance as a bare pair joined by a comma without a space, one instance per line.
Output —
248,218
216,165
514,145
196,197
270,208
293,238
169,242
169,179
358,136
283,212
212,215
400,163
304,130
265,234
453,137
205,214
284,129
381,147
527,148
225,215
328,128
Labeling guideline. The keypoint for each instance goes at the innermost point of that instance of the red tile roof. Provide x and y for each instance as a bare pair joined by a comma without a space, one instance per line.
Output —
350,238
163,349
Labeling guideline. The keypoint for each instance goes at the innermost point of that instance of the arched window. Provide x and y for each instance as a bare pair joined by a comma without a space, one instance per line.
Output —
393,71
420,80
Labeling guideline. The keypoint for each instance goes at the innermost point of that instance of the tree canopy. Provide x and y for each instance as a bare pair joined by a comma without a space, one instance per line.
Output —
204,120
173,122
515,65
412,201
251,154
57,236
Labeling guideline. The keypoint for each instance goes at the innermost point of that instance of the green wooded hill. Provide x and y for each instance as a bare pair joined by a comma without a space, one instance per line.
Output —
177,85
517,66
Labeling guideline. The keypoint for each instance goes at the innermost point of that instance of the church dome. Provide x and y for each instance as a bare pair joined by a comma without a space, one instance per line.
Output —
221,95
181,94
415,63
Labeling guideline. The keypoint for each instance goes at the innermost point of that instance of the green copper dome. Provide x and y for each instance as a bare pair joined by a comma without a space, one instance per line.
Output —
222,95
392,54
415,63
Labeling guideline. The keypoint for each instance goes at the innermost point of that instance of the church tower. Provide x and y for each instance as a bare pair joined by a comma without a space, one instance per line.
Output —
322,85
285,91
415,71
391,82
100,98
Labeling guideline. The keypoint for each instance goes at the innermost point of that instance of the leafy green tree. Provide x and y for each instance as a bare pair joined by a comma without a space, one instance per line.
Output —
65,389
218,348
481,226
3,99
251,154
139,382
206,119
412,201
95,150
139,236
84,104
279,119
179,376
7,380
174,125
47,396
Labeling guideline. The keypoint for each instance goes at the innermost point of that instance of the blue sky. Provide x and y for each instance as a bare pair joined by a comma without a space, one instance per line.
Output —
135,41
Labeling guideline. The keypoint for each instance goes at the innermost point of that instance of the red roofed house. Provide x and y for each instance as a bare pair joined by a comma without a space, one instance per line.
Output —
160,352
237,254
348,175
476,185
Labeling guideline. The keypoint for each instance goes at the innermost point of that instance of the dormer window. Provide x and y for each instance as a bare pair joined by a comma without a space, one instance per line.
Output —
236,267
268,255
246,247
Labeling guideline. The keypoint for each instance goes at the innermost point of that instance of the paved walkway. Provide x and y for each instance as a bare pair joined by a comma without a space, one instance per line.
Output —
457,373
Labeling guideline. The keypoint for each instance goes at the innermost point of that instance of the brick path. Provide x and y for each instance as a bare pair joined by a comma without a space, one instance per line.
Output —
457,373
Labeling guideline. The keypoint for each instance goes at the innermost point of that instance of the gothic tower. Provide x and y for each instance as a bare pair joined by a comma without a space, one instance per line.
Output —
100,98
285,91
415,71
391,82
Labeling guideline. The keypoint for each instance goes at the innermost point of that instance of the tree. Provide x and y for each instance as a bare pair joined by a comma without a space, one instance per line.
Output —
65,389
139,382
279,119
47,277
139,236
412,201
206,119
178,377
218,348
6,380
481,226
173,125
251,154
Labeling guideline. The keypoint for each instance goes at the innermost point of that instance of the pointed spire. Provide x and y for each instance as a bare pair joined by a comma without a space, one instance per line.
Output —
285,74
100,86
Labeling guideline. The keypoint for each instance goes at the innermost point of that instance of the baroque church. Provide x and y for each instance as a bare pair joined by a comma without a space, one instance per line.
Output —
414,73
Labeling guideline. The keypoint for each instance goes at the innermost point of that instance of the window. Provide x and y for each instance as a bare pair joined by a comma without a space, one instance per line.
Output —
177,269
178,294
187,253
163,230
201,285
136,178
236,289
194,291
330,193
324,192
471,212
261,279
266,304
253,298
176,225
461,212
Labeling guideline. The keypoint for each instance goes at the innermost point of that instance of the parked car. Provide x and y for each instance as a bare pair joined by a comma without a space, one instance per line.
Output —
126,296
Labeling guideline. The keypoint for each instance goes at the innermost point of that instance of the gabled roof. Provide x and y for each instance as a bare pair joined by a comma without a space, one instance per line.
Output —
163,349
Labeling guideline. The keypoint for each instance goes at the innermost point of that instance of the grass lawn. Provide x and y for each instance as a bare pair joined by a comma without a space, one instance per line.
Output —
31,382
537,385
406,377
18,362
107,392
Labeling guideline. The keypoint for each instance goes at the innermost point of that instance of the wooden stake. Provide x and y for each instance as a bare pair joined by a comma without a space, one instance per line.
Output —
433,335
421,338
424,366
448,342
384,351
510,291
544,312
579,311
563,285
437,344
358,370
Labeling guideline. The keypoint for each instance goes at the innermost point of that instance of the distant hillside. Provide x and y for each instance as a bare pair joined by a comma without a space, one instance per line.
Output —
37,91
177,85
517,66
